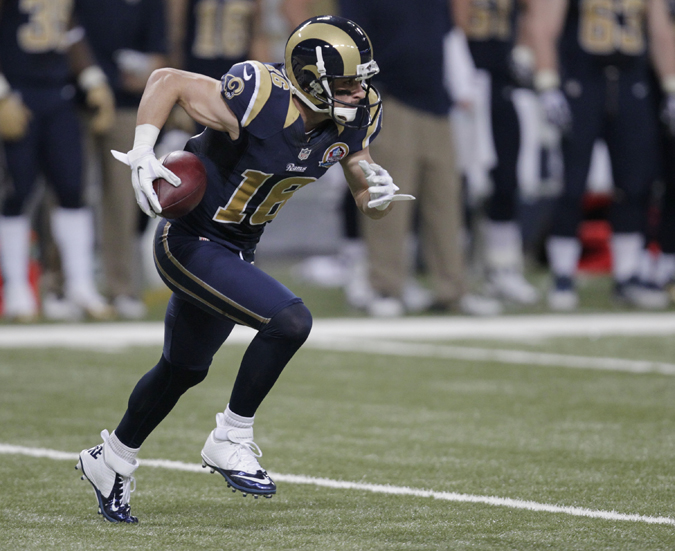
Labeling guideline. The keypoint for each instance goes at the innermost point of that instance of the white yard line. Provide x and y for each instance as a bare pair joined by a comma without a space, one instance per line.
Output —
374,488
518,357
388,337
110,335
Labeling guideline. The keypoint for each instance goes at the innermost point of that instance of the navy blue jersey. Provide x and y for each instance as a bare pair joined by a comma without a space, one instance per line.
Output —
114,25
605,32
491,33
408,47
33,42
219,34
251,178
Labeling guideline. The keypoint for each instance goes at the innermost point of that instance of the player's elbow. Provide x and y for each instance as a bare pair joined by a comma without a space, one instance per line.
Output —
164,77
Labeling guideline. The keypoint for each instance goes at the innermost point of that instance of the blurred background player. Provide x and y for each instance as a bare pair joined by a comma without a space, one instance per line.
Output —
40,129
658,265
416,146
491,29
592,76
129,41
209,36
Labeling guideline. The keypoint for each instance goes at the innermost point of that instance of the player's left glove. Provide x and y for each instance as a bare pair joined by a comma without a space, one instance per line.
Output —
145,168
381,187
99,98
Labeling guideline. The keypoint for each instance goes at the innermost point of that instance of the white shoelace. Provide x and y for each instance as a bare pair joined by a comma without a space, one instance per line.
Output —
248,453
128,488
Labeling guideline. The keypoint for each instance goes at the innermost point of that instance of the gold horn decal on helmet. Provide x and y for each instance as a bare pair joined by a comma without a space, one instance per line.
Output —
339,39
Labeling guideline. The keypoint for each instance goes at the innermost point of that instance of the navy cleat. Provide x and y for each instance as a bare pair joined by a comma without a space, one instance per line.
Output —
236,458
110,476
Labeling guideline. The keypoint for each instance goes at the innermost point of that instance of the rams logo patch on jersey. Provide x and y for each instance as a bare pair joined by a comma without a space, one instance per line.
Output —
334,154
232,86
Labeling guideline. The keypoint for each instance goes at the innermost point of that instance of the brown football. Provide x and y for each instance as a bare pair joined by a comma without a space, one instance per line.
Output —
178,201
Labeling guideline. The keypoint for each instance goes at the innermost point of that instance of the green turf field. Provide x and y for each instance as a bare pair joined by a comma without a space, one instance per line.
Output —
513,456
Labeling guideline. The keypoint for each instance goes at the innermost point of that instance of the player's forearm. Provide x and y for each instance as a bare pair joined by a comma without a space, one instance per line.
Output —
662,44
543,23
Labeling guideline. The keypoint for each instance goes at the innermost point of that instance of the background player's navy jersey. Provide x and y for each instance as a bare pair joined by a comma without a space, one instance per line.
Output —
33,42
218,35
418,47
250,179
491,34
605,32
115,24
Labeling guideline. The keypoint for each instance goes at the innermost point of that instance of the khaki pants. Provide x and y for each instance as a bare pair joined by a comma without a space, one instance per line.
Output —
417,149
119,212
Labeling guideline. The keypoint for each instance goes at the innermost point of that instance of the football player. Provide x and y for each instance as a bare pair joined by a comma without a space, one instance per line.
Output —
40,130
208,36
417,147
491,29
659,270
592,61
271,129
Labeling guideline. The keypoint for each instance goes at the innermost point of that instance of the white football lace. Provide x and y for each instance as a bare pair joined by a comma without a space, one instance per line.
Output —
248,452
128,487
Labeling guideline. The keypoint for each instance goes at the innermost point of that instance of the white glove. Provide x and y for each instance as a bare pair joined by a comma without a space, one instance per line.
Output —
556,109
145,168
381,187
668,113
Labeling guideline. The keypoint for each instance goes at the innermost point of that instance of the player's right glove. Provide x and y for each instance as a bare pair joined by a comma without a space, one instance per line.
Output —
521,65
381,187
99,98
145,168
556,109
552,100
668,113
14,115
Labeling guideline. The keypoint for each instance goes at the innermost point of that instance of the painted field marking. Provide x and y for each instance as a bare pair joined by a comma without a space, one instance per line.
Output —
120,335
520,357
392,337
9,449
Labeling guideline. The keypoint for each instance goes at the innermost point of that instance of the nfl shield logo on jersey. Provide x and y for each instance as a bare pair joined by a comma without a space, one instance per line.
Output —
304,153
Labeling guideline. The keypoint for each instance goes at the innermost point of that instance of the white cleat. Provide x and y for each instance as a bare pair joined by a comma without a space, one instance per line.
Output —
19,304
638,295
129,308
236,458
60,309
563,300
385,307
511,285
110,476
91,303
562,296
480,306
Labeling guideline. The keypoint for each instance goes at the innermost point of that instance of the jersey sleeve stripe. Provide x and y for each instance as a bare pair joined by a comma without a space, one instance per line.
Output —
293,113
263,89
373,97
